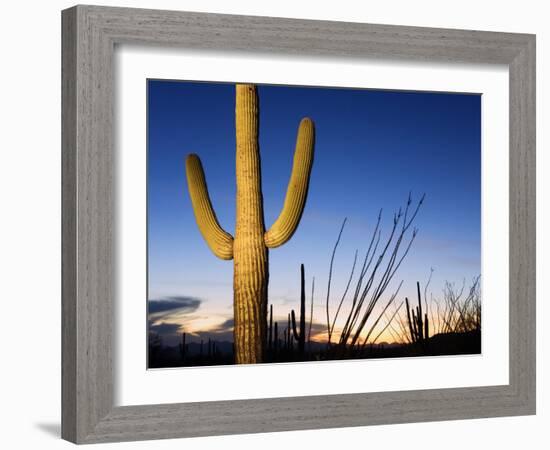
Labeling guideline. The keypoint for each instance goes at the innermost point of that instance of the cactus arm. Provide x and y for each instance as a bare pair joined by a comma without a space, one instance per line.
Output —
219,241
287,222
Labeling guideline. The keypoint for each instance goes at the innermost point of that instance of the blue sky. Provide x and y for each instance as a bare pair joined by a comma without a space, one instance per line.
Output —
372,148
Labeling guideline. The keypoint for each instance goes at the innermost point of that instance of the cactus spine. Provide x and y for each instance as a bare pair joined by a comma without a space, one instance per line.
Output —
300,336
249,248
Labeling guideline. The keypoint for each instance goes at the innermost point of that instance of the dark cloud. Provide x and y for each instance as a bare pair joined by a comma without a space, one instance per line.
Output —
165,329
171,332
182,304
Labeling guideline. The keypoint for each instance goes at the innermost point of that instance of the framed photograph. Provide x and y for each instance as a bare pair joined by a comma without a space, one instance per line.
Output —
278,224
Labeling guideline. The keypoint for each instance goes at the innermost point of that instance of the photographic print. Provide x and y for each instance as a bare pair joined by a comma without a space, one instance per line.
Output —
303,224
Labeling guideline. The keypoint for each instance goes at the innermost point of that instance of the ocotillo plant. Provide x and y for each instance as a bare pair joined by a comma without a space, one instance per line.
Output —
461,309
249,247
300,336
382,260
418,328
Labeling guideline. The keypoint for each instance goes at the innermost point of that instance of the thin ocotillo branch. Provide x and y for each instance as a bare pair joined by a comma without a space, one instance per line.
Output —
344,295
403,333
426,290
395,333
330,277
375,239
311,312
391,300
388,323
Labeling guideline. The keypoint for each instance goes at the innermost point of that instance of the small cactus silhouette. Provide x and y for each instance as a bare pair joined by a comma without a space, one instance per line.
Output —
249,247
276,344
183,348
300,336
289,337
270,330
419,328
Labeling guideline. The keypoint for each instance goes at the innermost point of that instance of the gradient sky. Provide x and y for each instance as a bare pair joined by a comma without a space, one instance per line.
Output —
372,148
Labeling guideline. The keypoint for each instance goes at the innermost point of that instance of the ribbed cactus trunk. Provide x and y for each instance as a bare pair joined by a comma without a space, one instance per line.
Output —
250,253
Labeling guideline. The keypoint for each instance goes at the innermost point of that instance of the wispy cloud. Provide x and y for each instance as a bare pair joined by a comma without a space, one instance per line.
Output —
220,332
165,315
223,327
318,331
170,316
181,303
165,329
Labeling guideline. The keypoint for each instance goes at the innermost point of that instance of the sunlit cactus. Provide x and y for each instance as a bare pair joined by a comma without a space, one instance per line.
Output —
220,242
249,247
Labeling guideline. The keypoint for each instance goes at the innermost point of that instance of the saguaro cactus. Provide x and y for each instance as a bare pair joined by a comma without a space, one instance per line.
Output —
249,247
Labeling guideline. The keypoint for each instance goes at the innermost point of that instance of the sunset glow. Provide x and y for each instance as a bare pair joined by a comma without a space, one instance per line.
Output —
372,150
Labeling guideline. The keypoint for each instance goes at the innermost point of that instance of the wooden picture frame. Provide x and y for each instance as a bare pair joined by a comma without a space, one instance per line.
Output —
90,34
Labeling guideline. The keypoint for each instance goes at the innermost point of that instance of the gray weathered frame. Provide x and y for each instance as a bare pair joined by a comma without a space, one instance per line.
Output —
89,36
